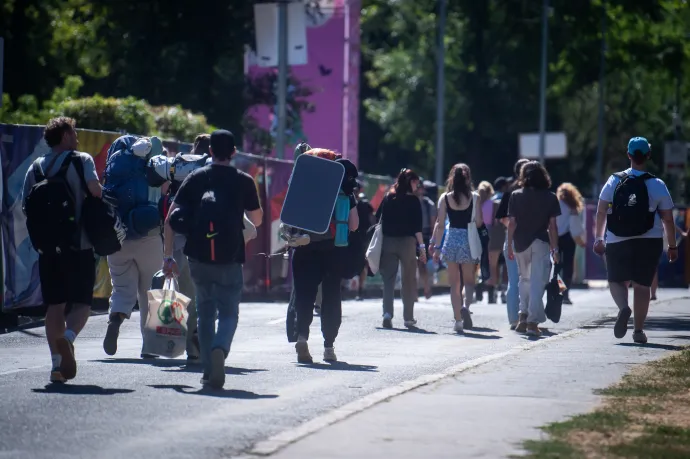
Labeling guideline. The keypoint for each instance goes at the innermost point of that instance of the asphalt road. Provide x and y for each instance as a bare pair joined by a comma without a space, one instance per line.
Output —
124,407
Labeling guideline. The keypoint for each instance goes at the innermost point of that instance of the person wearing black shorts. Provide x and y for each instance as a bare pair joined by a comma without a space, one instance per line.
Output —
67,278
632,253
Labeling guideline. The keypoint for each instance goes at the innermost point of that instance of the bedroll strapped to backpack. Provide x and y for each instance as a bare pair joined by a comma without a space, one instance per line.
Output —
628,214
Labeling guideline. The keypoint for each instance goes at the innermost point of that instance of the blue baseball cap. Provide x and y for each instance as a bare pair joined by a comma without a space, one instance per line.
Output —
638,144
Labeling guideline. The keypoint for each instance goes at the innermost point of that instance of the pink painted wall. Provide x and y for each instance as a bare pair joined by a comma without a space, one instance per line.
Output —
330,119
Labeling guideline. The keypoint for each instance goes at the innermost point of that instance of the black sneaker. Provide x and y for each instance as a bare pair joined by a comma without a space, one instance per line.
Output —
111,334
387,321
639,337
621,327
466,318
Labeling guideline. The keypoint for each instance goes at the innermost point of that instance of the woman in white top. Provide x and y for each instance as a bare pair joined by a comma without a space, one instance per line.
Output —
571,231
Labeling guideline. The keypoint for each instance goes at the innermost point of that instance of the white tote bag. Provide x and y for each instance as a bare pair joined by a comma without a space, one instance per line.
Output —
473,232
165,332
374,249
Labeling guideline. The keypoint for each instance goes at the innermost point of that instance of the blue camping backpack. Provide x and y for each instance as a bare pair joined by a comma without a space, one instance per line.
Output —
126,187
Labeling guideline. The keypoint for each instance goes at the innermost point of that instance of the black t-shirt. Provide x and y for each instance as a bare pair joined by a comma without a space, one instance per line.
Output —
502,211
236,188
401,215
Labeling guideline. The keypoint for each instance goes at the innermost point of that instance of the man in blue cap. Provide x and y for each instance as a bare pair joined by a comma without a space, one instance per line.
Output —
635,208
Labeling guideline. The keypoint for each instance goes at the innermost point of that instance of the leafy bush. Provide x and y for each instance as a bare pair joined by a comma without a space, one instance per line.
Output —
179,124
109,114
132,115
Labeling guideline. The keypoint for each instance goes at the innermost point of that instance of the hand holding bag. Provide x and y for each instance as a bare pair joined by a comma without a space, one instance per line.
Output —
165,332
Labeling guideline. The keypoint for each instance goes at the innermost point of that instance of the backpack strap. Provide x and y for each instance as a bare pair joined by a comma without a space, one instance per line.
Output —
79,166
620,175
39,174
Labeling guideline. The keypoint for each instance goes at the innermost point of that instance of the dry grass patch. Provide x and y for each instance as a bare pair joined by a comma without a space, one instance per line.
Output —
646,415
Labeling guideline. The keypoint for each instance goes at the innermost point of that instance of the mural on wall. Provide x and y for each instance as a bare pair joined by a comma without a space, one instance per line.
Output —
322,96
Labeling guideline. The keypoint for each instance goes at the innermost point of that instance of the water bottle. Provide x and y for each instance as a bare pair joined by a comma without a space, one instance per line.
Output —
342,212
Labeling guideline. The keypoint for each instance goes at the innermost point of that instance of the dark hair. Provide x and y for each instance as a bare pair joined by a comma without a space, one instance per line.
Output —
459,181
403,184
56,128
519,164
534,175
222,144
638,157
201,144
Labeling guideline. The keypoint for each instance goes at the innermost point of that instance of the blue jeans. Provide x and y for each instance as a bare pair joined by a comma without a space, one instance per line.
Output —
218,292
513,294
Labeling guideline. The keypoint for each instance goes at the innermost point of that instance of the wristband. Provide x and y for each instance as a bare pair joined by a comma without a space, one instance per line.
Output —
673,248
168,259
599,239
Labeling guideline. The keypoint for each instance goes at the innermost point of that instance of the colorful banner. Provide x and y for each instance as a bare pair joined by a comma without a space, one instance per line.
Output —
322,102
21,145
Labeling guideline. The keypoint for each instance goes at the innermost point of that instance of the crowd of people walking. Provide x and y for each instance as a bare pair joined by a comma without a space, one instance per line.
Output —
516,228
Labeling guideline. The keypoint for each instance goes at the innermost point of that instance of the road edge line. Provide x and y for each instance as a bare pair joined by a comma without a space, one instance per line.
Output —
281,440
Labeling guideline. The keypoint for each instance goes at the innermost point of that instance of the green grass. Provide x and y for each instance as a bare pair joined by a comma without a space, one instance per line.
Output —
638,394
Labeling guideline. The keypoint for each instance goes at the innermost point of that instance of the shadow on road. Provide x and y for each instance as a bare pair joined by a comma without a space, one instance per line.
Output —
75,389
179,366
678,323
197,368
468,334
340,366
666,347
483,330
209,392
417,330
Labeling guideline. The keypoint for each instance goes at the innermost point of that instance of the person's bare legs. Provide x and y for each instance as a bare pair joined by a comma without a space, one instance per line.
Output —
640,305
469,271
55,325
455,288
655,284
619,293
362,279
77,318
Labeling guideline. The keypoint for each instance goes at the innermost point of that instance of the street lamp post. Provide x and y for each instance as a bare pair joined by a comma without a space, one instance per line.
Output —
542,91
440,89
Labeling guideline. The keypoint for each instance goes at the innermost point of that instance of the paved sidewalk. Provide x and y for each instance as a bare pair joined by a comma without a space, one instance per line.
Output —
488,411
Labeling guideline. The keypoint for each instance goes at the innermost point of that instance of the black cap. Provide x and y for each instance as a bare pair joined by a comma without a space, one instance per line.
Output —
222,143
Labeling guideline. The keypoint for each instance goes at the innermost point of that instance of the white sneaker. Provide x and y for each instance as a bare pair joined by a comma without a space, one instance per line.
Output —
303,355
410,323
329,355
458,326
387,321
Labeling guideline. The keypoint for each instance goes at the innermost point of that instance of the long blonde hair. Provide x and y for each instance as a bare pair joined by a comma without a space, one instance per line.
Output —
486,190
571,196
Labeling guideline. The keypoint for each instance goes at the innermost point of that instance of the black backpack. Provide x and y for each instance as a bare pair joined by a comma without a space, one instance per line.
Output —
100,220
50,210
214,236
629,213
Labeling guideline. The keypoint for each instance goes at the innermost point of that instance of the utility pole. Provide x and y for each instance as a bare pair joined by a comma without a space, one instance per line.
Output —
542,91
440,89
282,76
2,65
602,85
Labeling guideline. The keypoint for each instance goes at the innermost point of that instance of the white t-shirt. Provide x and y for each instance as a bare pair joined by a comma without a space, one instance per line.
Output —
569,221
659,199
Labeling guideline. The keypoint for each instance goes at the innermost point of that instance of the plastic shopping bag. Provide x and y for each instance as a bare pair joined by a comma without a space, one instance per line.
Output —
165,332
554,295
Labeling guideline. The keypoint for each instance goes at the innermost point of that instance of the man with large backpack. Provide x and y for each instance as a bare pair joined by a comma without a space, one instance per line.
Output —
133,267
209,210
635,208
53,196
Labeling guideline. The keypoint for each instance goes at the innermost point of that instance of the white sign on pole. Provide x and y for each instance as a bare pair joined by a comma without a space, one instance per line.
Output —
675,157
556,145
266,26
